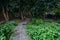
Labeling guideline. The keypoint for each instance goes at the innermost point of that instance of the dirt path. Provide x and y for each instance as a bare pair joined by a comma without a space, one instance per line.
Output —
20,32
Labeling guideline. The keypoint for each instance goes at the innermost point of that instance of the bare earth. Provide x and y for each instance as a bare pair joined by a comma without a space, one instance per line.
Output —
20,32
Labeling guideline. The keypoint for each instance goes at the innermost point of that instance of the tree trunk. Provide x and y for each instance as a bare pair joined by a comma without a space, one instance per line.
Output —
30,16
7,16
22,16
4,13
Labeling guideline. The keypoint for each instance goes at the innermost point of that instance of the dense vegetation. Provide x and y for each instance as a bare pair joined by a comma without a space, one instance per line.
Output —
39,29
32,8
6,30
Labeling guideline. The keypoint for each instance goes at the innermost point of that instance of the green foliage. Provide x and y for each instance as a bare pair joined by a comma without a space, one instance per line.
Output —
37,21
14,6
57,8
36,7
44,31
6,30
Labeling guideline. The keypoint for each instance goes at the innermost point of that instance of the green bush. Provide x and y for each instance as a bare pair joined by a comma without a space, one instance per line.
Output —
6,30
37,21
57,11
44,31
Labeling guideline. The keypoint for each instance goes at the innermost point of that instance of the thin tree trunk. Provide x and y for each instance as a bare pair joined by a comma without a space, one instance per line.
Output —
22,16
7,15
4,13
30,16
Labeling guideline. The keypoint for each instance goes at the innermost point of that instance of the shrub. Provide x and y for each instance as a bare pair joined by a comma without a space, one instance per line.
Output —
48,31
6,30
37,21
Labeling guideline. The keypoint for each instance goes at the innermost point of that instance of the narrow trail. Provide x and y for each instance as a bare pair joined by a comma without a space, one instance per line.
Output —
20,32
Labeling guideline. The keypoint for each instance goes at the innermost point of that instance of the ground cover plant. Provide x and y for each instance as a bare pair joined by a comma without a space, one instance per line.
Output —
43,30
6,30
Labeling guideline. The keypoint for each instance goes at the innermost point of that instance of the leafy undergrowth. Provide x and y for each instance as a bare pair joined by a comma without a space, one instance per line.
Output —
6,30
16,20
43,31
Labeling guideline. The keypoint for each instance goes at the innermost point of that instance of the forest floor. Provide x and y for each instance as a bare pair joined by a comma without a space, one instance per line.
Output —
20,32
